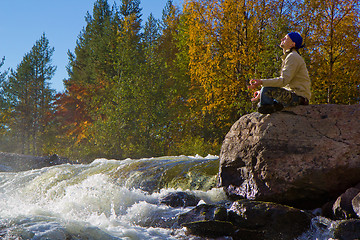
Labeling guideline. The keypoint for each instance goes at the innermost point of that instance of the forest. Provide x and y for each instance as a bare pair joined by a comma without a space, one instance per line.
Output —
175,85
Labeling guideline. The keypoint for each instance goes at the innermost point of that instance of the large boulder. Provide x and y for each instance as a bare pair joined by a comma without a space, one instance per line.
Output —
304,156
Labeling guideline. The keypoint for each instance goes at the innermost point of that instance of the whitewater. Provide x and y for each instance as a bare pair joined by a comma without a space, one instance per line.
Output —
112,199
107,199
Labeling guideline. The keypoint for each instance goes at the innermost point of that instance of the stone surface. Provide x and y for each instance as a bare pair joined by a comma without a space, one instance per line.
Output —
210,228
180,199
343,208
203,212
348,230
268,220
246,219
304,156
355,202
13,162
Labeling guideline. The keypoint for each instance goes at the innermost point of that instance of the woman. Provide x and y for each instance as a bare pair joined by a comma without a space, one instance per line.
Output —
292,88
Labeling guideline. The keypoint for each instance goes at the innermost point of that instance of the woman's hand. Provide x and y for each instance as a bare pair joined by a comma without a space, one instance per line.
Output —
255,83
256,96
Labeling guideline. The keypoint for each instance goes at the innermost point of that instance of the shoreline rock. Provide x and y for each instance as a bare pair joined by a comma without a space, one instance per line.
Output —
13,162
246,219
302,157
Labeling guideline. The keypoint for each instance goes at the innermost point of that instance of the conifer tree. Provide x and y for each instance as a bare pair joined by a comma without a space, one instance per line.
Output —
128,51
90,61
29,97
91,70
119,123
104,76
2,74
3,115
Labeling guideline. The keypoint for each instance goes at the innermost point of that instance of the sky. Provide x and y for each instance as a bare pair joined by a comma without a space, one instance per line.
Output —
22,23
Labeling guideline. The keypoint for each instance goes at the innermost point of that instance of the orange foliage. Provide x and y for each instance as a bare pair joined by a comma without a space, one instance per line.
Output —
72,111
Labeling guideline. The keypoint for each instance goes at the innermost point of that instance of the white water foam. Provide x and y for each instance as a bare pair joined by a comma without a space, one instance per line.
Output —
87,202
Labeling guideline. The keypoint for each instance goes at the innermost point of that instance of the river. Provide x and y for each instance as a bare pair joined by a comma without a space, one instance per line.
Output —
112,199
107,199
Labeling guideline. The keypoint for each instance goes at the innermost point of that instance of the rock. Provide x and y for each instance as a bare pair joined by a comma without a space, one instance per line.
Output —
267,220
204,212
357,186
246,220
348,230
4,168
207,220
180,199
327,209
302,157
343,208
355,202
210,229
13,162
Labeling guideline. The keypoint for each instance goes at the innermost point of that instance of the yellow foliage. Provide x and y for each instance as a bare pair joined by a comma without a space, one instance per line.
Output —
224,38
333,40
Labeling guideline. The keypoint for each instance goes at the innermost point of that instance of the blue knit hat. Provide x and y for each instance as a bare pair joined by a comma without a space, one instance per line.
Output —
297,39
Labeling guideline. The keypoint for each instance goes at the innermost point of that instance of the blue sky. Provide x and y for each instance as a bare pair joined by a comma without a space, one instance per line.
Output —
22,22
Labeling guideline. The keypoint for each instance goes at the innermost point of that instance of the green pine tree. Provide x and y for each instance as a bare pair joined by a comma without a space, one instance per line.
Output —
29,97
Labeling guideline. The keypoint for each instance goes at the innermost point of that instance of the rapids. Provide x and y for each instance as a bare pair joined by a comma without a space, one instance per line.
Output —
107,199
111,199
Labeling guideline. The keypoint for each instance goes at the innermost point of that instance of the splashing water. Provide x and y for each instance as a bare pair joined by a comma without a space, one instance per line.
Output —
106,199
110,199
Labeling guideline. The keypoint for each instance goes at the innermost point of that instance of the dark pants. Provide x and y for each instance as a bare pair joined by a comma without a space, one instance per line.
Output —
274,99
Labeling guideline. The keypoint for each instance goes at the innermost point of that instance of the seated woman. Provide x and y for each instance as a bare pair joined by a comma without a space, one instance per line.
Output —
292,88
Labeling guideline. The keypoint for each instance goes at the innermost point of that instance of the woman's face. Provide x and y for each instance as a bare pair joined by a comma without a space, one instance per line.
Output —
287,43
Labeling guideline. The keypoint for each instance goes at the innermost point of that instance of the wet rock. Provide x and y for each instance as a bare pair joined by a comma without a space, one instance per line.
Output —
265,220
13,162
4,168
204,212
207,220
327,209
301,157
355,203
246,220
157,220
348,230
211,229
343,207
180,199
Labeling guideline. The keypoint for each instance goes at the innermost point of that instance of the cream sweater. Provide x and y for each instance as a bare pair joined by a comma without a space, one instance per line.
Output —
294,75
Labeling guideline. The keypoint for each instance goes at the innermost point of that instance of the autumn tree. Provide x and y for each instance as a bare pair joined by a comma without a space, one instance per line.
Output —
90,68
118,111
274,21
105,69
334,41
175,85
223,37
